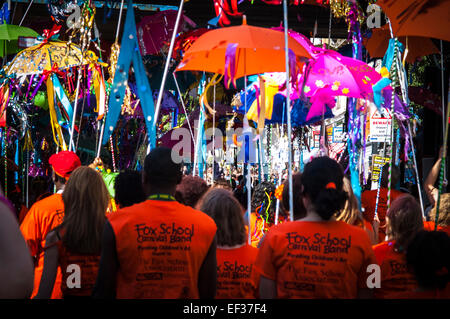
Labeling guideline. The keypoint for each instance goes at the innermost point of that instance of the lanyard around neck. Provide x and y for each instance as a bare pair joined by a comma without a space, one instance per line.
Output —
165,197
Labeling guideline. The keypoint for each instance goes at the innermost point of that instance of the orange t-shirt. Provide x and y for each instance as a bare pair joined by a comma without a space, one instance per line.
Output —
430,227
88,267
369,201
395,275
236,276
326,259
161,246
42,217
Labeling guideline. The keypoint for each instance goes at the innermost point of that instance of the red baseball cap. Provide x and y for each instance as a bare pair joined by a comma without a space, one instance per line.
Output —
64,163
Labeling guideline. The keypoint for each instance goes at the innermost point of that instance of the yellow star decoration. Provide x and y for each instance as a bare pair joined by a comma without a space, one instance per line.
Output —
320,84
345,90
306,89
336,85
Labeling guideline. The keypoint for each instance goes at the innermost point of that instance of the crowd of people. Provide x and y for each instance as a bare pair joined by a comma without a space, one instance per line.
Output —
166,235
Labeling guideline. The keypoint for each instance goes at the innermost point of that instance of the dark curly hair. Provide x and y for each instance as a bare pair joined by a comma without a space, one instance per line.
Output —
261,203
190,190
323,180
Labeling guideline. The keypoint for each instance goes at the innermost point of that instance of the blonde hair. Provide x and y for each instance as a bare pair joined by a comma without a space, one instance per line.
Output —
444,211
350,214
404,221
86,199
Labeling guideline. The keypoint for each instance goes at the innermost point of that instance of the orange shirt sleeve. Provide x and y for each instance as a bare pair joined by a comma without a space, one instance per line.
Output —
264,260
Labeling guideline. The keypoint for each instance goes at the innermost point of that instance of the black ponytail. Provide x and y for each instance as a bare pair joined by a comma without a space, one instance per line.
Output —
322,180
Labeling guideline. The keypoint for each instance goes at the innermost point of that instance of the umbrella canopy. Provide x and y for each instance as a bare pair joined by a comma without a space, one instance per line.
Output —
240,50
42,57
154,31
422,18
338,75
9,34
378,43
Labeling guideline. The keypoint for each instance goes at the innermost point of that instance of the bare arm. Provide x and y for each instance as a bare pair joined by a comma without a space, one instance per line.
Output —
207,276
50,267
17,270
267,288
430,190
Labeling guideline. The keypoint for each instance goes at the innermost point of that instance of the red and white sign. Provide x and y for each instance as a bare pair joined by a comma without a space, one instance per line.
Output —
380,126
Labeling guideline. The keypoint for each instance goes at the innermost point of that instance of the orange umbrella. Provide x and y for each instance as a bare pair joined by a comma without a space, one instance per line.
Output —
422,18
378,43
253,50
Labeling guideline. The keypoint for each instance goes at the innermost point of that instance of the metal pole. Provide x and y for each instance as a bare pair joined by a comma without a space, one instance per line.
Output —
443,103
214,135
288,110
120,20
419,189
166,67
23,18
184,108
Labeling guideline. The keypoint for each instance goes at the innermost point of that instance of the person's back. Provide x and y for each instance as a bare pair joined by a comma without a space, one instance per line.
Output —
395,275
428,257
88,270
236,276
161,245
316,257
42,217
47,214
404,220
74,246
158,248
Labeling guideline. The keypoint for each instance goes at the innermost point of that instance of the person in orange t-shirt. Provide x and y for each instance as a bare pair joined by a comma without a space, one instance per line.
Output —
404,221
443,216
236,276
316,257
369,200
46,214
74,246
429,258
158,248
352,216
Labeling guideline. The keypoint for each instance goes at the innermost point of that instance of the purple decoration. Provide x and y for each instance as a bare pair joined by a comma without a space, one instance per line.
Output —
230,64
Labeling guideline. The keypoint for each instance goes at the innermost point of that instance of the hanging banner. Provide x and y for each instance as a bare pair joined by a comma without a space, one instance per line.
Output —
377,163
380,126
330,134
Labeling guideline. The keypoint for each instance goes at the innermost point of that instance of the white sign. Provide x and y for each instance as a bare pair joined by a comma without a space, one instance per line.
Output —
380,126
338,134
